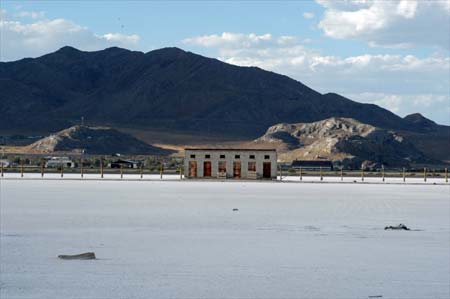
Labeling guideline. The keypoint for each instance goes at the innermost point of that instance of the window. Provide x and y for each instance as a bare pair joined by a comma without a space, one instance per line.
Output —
251,166
207,156
192,156
267,157
222,156
252,156
237,156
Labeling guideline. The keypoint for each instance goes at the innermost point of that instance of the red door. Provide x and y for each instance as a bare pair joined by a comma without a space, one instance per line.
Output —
237,169
207,168
192,169
267,170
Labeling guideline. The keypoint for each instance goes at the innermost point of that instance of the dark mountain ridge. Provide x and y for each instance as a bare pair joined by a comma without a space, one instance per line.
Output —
167,88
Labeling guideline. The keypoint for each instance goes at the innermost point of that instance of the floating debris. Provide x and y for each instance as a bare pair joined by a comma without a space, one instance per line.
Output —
82,256
397,227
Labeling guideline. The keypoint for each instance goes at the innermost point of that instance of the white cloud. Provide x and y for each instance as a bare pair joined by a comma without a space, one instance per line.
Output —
308,15
393,23
434,106
31,14
19,39
121,38
404,81
228,38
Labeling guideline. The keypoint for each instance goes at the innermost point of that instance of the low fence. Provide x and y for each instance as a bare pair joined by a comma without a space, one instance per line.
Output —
362,174
82,171
383,175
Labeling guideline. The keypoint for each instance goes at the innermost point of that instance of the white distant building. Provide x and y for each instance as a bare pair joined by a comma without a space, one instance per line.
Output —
5,163
60,162
230,163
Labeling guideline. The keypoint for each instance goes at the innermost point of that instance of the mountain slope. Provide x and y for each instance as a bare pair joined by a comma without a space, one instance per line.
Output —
93,140
342,139
166,88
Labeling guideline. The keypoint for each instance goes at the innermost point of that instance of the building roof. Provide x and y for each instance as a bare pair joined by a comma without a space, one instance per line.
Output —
232,149
312,163
126,161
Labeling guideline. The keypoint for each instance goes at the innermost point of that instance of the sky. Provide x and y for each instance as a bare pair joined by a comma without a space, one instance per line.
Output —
395,54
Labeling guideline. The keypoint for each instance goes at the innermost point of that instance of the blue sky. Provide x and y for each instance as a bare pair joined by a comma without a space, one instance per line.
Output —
392,53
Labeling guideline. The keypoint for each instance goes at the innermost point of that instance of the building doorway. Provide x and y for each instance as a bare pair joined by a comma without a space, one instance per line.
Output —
192,169
267,170
207,169
237,169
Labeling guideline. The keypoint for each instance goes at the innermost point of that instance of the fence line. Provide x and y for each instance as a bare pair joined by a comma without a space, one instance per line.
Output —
141,172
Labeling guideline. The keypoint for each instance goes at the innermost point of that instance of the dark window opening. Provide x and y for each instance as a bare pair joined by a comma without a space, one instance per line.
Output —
207,156
237,156
252,156
193,156
267,157
222,156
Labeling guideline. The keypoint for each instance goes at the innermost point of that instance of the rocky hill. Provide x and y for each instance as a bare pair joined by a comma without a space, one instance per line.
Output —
343,139
93,140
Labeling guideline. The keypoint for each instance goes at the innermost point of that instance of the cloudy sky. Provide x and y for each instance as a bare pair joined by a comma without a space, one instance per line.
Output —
395,54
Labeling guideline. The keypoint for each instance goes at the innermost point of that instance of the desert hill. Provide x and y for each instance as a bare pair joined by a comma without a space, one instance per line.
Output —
342,139
93,140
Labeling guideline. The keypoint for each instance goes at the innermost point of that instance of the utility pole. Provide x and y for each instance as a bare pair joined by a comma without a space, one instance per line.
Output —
101,168
362,173
81,167
424,174
321,175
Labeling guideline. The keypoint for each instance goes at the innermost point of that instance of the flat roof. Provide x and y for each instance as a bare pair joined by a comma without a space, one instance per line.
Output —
232,149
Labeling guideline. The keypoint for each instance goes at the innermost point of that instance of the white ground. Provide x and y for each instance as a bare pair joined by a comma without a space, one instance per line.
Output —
166,239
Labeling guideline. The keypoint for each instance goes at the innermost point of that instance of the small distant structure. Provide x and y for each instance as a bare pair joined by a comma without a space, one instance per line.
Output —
125,164
312,164
5,163
230,163
60,162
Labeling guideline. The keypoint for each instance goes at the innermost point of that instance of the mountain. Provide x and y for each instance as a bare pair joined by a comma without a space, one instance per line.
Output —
167,88
93,140
418,120
343,139
171,92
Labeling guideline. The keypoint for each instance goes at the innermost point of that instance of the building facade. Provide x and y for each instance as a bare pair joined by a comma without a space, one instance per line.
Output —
60,162
126,164
230,163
